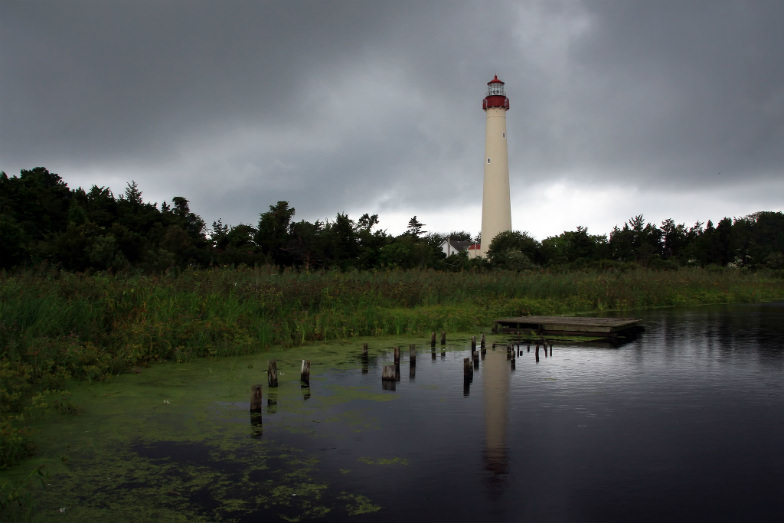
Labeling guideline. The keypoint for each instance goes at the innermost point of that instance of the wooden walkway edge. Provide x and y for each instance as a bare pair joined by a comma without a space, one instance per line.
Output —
613,329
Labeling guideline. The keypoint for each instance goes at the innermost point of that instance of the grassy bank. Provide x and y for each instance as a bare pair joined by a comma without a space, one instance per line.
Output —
58,326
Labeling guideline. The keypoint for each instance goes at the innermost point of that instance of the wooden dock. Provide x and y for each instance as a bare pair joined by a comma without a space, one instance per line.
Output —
611,329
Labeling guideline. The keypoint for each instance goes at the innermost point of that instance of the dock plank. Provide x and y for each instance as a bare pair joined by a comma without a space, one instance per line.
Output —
569,325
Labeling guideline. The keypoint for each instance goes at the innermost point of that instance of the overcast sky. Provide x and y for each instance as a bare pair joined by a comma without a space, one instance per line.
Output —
618,108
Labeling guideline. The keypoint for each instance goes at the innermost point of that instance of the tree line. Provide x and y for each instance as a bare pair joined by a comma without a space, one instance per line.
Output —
43,222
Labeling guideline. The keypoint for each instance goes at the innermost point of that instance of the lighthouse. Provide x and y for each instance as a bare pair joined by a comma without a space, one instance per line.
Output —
496,205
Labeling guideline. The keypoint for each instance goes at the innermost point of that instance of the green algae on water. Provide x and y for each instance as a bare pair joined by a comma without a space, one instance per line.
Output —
175,442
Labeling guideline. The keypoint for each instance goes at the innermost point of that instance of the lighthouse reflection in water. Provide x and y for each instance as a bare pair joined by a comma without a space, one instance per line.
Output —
657,429
495,385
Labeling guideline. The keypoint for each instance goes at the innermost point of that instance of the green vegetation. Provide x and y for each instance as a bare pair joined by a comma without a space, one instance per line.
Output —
94,286
58,326
42,221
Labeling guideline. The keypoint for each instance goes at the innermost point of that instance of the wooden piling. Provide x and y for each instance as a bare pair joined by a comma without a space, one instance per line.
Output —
304,373
255,399
388,374
468,369
473,343
272,373
272,402
483,343
443,338
397,355
412,355
433,341
513,363
364,358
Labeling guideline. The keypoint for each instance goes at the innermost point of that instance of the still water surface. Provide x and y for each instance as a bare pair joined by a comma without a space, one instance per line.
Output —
685,423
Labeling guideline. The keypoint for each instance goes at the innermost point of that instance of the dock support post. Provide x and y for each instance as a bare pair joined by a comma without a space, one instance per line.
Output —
388,373
304,373
468,370
255,399
272,373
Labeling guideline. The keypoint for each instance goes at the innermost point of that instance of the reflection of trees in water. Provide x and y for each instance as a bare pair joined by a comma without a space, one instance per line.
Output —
723,328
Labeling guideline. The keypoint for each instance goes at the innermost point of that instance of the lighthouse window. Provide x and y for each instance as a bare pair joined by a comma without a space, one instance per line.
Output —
496,89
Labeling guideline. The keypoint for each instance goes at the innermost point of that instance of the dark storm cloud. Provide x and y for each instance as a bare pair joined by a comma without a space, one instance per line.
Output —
681,91
376,106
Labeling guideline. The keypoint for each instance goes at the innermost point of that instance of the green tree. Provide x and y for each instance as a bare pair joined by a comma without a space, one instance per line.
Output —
340,242
273,233
513,250
573,247
415,228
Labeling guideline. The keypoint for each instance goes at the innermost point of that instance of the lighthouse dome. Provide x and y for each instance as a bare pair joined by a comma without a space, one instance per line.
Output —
496,97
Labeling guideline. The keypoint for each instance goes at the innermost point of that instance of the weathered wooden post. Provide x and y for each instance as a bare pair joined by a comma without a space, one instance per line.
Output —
364,358
513,363
388,377
443,338
551,348
272,373
433,341
483,343
388,374
473,343
397,355
272,402
304,373
537,353
255,399
475,357
412,354
529,346
468,370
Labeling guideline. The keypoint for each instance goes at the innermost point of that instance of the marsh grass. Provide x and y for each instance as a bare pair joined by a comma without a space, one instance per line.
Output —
55,326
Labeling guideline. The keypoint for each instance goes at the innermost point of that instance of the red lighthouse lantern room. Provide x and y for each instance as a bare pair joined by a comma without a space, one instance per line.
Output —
495,95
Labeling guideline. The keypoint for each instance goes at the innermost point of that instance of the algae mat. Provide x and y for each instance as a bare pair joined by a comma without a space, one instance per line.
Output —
176,442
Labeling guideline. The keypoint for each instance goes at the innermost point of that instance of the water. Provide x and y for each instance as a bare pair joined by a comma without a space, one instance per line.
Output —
685,423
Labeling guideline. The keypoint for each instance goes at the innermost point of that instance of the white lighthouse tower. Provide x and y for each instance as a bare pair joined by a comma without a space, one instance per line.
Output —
496,205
